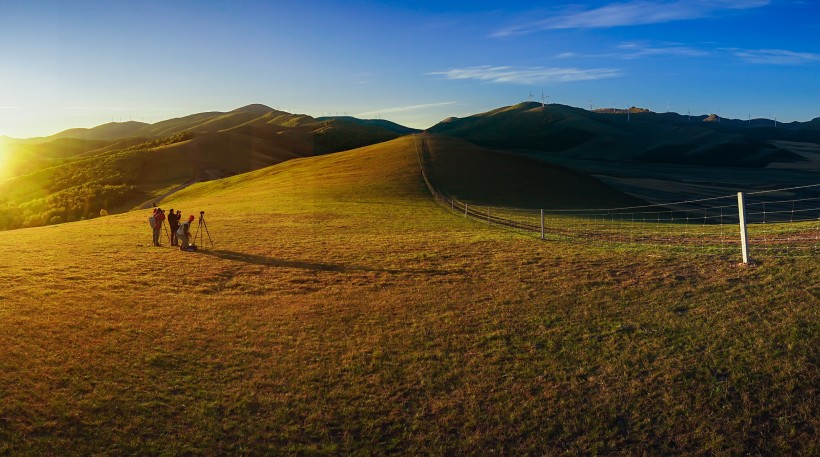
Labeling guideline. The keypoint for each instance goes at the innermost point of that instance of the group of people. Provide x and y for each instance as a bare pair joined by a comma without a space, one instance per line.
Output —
180,232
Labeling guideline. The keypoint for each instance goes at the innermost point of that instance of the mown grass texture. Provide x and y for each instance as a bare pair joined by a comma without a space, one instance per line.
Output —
341,311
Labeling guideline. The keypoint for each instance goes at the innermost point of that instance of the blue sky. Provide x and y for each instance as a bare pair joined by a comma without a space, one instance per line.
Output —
80,64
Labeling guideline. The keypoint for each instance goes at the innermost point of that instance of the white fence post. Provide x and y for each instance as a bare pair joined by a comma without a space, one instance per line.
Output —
744,237
542,224
465,209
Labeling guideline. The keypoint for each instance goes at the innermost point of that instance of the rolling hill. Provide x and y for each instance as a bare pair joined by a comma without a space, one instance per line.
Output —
657,157
341,311
59,178
608,135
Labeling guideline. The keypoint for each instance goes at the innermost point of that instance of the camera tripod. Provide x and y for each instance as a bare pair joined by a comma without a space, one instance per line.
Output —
166,231
199,231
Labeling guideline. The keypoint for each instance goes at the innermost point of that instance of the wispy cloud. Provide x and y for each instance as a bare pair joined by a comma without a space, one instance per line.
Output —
775,56
528,75
401,109
636,12
640,50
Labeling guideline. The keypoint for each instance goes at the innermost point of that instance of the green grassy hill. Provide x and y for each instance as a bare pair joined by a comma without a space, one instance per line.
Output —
392,126
341,311
66,179
25,157
110,131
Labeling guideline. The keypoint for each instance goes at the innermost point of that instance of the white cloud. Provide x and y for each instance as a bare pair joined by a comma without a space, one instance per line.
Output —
775,56
528,75
639,50
401,109
636,12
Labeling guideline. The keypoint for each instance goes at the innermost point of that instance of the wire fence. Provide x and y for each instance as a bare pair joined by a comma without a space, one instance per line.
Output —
782,222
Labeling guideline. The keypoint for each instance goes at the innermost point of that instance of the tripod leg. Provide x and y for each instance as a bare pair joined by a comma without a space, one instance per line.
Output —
208,232
197,230
166,232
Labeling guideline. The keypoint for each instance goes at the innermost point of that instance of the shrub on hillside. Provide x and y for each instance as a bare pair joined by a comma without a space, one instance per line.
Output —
177,138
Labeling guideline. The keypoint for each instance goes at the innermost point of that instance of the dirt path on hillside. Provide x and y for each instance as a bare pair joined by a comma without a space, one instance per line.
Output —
199,175
154,201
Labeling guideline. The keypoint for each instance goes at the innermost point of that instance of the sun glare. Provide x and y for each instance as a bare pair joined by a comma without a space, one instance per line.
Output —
4,157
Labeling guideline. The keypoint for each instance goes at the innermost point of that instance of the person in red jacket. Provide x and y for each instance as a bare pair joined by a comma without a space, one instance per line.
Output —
159,217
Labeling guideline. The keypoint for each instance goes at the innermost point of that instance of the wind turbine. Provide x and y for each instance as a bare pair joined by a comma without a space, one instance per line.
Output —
590,104
775,120
530,96
543,97
689,114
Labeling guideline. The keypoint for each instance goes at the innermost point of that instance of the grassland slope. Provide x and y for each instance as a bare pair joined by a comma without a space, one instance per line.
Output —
43,184
340,311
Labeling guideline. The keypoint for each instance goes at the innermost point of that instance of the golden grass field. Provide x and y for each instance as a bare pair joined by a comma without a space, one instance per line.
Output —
341,311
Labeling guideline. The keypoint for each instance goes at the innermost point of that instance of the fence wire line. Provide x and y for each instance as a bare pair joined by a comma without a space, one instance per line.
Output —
780,222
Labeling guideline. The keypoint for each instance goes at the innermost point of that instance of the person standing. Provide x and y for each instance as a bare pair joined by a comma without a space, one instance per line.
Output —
159,217
184,233
179,218
152,221
173,223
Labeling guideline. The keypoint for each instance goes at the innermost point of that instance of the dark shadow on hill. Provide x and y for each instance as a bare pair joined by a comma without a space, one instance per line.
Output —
255,259
486,177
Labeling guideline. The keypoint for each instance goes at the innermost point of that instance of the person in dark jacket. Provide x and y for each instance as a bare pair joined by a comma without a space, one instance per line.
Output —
173,223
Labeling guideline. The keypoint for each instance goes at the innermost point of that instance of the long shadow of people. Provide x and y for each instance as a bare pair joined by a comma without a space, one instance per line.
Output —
273,262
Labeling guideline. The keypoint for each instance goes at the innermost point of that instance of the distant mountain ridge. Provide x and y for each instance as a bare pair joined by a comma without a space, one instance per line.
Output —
657,157
257,115
608,134
109,131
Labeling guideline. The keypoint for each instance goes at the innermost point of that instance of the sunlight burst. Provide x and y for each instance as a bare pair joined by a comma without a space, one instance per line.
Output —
5,157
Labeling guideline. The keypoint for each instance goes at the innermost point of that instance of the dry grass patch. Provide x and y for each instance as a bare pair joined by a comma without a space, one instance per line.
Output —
342,312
